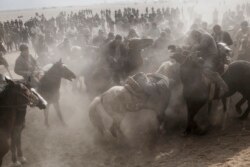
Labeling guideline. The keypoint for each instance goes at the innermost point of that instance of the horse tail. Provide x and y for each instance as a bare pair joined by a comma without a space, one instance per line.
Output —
95,110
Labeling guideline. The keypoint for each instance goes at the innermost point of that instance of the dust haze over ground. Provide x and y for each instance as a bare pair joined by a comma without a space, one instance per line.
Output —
78,145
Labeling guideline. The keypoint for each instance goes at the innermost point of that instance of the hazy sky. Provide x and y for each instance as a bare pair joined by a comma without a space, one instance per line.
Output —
24,4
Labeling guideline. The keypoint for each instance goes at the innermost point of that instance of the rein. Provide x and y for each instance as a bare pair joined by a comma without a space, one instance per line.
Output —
13,106
17,106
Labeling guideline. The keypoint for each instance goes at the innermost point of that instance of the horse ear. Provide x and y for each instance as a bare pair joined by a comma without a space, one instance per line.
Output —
9,81
60,61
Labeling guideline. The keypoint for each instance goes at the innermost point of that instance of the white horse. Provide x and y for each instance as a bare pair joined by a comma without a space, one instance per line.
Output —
140,93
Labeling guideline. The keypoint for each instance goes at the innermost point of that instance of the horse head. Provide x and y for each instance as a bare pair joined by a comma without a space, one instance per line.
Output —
184,56
193,60
192,67
178,53
23,95
65,72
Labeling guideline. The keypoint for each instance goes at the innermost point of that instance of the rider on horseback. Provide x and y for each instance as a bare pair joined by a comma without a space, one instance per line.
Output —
205,44
26,66
115,55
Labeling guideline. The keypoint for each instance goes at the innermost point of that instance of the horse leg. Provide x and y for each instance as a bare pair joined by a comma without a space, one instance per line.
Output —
22,159
13,145
96,119
190,122
225,113
59,113
209,106
162,117
115,129
46,116
4,147
193,108
239,104
161,120
245,114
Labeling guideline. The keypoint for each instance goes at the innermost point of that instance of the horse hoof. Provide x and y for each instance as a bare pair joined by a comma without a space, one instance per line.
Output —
242,117
22,159
185,133
238,111
16,164
64,124
200,132
47,125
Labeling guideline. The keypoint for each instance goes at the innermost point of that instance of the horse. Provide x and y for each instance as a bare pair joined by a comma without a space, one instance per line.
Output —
99,76
49,86
140,93
197,87
14,96
134,58
237,78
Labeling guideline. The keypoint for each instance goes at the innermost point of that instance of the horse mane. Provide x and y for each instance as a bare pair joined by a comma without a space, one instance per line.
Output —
49,73
50,79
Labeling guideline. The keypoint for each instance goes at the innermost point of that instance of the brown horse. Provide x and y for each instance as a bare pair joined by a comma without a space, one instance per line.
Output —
50,84
238,79
13,97
141,92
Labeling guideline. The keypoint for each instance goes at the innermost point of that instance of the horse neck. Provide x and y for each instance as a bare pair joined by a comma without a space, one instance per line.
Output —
51,80
7,111
134,52
191,74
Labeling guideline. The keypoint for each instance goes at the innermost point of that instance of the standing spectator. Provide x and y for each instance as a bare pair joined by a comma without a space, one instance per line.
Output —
221,36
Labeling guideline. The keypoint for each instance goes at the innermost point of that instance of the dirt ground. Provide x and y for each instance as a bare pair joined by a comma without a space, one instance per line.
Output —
77,145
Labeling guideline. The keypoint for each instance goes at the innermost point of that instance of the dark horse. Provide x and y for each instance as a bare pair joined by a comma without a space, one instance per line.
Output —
197,87
14,96
49,87
237,78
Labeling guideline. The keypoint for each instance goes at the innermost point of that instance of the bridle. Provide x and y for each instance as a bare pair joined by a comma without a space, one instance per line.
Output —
30,99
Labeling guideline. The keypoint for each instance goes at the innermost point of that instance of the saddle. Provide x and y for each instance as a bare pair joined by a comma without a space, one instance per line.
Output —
144,87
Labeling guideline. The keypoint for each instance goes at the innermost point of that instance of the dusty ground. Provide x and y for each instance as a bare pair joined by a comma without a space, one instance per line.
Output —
77,145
